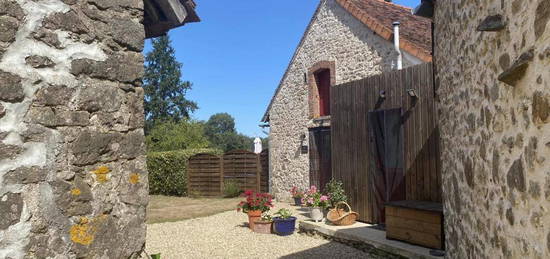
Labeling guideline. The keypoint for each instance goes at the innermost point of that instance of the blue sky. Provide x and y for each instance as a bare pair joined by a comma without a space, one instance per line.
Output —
236,56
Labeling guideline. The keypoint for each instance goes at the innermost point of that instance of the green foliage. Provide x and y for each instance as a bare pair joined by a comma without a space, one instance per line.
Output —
231,189
266,217
335,190
168,136
220,131
164,90
284,213
168,171
220,123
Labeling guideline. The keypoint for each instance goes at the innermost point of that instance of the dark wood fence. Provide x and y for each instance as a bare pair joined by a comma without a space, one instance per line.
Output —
350,105
207,173
264,176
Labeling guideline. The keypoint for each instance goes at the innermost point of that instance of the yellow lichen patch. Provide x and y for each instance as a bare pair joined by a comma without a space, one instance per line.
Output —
83,232
101,173
84,220
76,192
134,178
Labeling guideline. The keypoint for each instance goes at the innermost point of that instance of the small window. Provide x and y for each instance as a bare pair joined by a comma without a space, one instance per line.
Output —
322,79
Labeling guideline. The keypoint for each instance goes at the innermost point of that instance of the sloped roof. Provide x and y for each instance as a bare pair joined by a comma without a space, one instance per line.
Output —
379,15
164,15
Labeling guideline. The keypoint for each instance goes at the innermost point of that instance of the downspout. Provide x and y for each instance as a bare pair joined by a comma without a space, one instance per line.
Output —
396,44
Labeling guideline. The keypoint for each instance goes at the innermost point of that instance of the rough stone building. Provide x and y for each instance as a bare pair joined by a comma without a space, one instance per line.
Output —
493,68
73,181
346,40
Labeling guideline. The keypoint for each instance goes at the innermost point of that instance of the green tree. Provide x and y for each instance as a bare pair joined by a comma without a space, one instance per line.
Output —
220,123
164,89
220,131
169,136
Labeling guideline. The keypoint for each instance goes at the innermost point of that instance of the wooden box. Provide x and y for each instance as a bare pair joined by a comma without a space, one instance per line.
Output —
416,222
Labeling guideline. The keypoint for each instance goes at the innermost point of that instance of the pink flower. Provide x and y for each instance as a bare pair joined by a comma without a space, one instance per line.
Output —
310,200
324,198
313,189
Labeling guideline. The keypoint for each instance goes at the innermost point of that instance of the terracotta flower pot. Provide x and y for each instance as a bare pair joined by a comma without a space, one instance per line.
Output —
253,216
262,227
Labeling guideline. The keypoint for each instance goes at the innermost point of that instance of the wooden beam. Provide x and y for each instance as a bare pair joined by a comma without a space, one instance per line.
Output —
151,12
174,10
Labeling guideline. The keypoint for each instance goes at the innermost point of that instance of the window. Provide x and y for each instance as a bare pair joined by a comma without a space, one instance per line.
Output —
322,79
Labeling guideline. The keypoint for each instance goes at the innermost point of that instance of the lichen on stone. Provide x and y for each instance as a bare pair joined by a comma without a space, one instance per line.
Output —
101,174
76,192
134,178
83,232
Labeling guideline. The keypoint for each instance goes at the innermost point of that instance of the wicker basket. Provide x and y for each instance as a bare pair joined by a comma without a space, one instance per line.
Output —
341,217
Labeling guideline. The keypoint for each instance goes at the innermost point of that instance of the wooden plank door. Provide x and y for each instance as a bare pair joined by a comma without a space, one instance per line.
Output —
320,157
386,154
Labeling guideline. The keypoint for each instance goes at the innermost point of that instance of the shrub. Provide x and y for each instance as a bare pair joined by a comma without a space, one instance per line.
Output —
231,189
335,191
171,136
168,170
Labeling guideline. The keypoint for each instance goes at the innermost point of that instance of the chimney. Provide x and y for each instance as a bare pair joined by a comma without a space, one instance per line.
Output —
396,44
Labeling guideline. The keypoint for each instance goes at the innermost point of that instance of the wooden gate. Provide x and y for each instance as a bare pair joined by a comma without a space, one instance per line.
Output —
412,91
207,173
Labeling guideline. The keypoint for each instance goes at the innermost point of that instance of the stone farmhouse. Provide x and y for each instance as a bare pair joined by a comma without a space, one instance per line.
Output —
346,40
73,180
492,62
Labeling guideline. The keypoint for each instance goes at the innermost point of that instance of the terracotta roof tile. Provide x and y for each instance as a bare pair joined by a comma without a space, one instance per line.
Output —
379,15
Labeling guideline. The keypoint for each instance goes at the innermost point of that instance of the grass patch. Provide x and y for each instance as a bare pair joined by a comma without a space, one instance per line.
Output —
169,209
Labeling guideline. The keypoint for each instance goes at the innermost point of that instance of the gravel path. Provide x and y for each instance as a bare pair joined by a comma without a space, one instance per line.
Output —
225,235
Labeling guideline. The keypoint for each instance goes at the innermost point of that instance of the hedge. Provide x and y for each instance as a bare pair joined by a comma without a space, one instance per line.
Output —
168,170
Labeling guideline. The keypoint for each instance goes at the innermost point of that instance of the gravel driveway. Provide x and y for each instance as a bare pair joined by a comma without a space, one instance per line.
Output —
225,235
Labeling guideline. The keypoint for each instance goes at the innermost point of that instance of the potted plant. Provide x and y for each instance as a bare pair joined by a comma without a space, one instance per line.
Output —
284,223
255,204
297,196
316,202
263,225
335,192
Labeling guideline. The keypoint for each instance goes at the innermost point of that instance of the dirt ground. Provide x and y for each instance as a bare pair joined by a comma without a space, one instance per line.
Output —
170,209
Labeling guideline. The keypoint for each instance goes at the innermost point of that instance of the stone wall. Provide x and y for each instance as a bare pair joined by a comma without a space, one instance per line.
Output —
334,35
493,66
72,165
